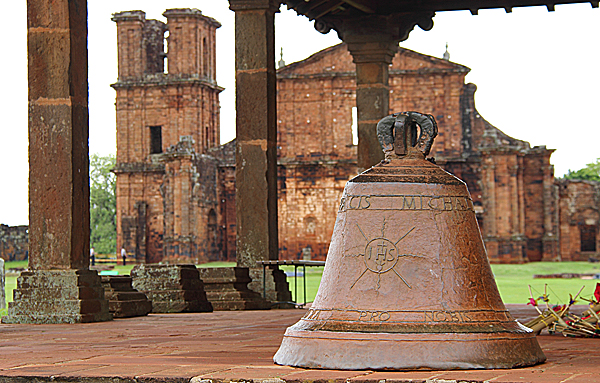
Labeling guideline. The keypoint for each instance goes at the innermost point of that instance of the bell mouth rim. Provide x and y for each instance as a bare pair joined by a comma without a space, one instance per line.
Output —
399,337
449,351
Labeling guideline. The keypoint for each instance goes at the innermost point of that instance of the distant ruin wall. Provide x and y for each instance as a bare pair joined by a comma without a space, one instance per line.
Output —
14,242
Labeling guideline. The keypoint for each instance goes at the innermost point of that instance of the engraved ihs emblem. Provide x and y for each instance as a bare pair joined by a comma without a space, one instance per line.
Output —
381,255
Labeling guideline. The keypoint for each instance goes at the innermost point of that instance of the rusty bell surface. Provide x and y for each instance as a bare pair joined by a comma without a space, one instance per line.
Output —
407,283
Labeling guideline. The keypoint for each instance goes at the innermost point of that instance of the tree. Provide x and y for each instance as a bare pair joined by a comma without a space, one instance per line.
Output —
591,172
103,204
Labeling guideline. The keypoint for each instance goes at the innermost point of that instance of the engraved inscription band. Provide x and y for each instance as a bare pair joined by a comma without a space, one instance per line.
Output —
424,316
406,202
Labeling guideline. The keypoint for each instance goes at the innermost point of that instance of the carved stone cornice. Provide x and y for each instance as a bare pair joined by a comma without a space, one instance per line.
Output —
247,5
374,38
190,13
138,167
378,50
139,16
386,29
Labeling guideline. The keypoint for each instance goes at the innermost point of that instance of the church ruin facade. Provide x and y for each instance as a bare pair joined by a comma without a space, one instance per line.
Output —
176,183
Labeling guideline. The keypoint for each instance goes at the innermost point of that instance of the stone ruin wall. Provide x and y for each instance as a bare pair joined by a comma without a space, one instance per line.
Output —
512,185
14,242
579,217
184,203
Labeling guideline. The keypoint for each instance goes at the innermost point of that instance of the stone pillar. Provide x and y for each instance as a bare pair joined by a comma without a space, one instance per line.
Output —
2,285
130,37
372,57
58,288
488,188
373,41
256,131
550,200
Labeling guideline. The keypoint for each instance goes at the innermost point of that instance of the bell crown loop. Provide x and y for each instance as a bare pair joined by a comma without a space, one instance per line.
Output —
406,138
399,137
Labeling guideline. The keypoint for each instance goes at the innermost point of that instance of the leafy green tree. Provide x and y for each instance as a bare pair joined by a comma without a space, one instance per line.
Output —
103,204
591,172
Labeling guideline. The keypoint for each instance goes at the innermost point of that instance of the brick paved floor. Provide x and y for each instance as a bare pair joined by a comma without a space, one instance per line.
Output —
230,346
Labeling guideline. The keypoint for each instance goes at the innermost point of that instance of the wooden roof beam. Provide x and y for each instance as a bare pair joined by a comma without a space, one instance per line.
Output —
324,8
362,5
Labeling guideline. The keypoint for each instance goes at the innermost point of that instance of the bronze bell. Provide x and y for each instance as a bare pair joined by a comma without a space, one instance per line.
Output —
407,283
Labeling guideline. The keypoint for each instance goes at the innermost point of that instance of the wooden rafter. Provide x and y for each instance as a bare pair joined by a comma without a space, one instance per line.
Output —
324,8
363,5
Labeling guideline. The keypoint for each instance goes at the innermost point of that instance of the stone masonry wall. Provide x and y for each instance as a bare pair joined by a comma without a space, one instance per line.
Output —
14,242
504,175
184,205
579,206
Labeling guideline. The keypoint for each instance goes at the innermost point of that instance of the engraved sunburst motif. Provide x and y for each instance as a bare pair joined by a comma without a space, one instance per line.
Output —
381,256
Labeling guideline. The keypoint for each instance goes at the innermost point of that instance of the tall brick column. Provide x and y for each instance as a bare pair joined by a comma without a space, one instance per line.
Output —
550,200
256,131
373,42
372,55
58,288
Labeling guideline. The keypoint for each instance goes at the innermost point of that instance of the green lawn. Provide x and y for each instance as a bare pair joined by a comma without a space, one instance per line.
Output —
512,280
313,279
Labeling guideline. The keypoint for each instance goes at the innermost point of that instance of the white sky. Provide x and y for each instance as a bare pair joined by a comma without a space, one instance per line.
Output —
536,73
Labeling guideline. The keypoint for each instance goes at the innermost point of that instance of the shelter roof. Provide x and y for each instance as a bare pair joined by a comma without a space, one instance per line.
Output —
315,9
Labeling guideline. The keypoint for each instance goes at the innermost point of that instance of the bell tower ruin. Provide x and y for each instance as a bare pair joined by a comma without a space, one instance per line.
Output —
167,119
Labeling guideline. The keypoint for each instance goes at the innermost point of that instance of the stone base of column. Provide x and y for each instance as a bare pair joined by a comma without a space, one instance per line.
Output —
123,300
506,249
277,288
171,288
227,289
58,296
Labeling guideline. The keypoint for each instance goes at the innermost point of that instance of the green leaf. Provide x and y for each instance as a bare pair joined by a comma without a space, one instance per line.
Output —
103,204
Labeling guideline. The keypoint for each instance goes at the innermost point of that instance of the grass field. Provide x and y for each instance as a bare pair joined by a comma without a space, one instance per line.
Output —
512,280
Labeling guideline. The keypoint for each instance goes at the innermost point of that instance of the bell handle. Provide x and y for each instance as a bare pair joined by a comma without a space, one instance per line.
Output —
429,131
398,133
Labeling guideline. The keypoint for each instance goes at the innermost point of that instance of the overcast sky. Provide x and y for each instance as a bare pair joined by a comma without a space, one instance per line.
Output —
536,73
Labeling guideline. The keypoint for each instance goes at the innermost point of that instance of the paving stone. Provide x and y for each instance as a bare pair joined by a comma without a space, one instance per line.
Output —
227,345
